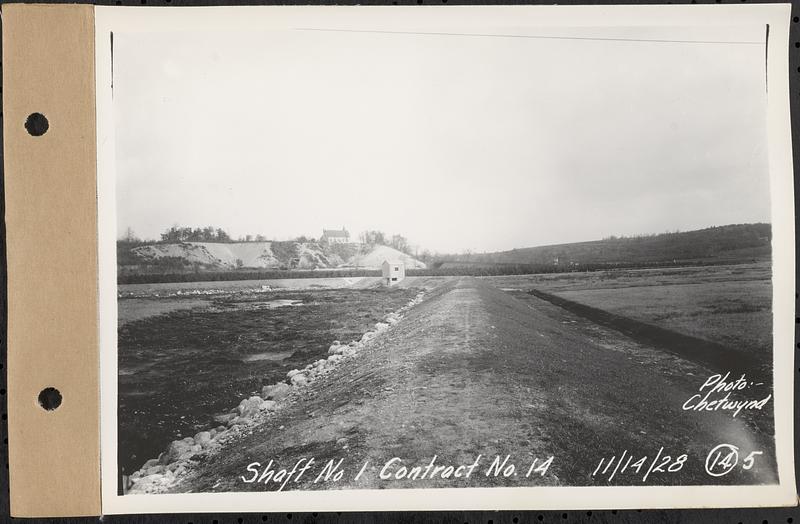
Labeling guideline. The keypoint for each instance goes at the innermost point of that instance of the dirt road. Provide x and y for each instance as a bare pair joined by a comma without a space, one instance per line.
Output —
474,371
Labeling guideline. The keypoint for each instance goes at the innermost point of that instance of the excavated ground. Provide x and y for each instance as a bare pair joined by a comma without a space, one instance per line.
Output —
474,371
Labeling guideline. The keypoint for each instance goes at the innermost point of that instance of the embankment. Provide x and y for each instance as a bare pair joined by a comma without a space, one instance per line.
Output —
712,354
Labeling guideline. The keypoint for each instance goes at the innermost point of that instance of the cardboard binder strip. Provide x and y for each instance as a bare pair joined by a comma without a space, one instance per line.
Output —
51,224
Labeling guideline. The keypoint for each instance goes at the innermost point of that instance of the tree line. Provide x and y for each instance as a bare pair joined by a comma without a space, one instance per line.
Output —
398,242
197,234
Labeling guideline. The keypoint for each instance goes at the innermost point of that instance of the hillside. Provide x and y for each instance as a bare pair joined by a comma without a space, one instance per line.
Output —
733,243
226,256
374,257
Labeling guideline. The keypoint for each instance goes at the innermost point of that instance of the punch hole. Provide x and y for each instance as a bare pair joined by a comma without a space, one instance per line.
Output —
37,124
49,398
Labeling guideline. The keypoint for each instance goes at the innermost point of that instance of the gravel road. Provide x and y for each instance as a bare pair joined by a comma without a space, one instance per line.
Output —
474,372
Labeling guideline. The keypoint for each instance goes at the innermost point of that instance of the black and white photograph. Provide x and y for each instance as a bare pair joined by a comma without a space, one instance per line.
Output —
348,251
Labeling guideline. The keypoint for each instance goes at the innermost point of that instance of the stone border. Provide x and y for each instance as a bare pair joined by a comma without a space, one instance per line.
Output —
159,474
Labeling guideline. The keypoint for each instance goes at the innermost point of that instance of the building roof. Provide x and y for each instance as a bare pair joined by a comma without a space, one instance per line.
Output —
393,262
335,233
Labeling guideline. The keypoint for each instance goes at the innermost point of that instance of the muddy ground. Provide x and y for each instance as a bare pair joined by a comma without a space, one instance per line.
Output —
476,371
184,360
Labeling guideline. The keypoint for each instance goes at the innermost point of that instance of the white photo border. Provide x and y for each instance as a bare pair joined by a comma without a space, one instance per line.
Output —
176,19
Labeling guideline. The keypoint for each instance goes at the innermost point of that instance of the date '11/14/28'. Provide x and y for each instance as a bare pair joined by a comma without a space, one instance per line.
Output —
720,461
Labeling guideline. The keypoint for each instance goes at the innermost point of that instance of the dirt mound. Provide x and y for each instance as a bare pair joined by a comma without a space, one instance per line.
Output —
273,255
252,255
213,254
241,254
373,258
269,255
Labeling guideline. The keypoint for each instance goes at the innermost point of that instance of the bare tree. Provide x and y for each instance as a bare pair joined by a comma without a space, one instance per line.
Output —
130,236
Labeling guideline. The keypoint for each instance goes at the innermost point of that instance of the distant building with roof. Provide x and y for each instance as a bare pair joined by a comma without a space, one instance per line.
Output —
335,236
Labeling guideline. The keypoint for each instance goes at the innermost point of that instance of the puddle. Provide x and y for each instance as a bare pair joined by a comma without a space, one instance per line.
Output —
133,309
259,305
284,302
257,357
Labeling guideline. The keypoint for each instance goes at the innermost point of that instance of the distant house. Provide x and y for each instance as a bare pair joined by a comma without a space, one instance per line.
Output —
393,272
335,236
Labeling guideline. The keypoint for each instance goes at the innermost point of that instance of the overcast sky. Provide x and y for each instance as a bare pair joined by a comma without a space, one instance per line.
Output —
457,142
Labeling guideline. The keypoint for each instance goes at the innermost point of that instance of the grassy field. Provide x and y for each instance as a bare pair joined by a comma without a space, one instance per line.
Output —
184,359
731,305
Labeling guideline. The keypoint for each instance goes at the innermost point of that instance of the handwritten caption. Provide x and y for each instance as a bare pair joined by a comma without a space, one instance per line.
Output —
716,395
720,461
392,470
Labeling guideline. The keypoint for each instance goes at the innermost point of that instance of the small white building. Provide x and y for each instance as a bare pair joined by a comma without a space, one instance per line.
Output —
393,272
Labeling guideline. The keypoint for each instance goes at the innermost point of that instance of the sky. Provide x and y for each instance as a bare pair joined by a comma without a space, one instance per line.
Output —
482,142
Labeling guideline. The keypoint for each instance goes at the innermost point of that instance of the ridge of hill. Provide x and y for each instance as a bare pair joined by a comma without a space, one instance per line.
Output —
734,242
216,256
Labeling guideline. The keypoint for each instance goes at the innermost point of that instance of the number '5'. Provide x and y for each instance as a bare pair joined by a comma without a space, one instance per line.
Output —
750,460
